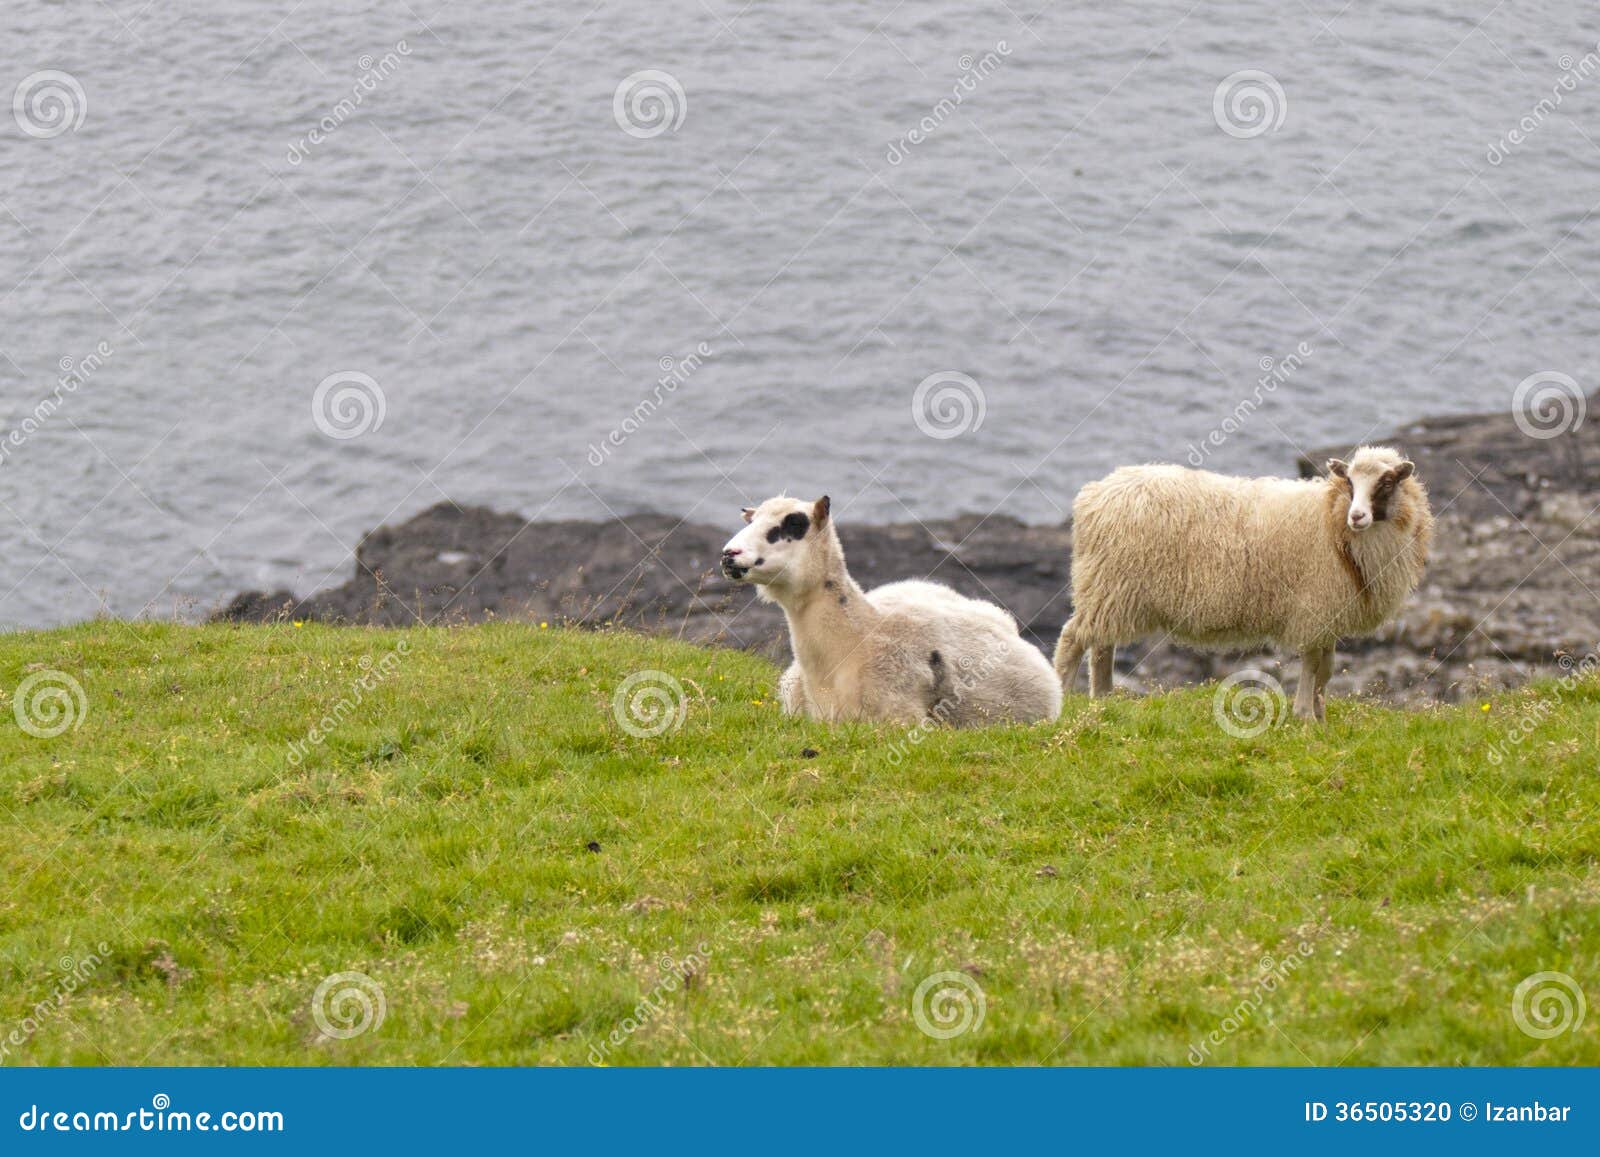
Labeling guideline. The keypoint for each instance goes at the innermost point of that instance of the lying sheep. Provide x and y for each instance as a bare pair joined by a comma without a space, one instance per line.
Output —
908,652
1237,562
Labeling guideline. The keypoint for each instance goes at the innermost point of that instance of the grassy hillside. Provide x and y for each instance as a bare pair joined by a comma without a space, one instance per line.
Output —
528,882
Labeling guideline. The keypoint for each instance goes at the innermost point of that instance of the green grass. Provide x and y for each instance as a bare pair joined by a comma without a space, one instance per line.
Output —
1111,882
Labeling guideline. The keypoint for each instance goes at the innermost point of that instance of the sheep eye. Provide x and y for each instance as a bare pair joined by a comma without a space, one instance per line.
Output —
794,526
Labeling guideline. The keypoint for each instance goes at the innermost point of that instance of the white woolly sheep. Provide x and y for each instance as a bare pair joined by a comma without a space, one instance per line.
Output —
909,652
1231,563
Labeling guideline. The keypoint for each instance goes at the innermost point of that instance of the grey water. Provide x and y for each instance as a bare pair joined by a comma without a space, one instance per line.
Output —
529,291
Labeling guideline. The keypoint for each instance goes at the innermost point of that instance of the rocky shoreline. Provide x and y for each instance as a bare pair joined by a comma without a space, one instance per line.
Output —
1511,586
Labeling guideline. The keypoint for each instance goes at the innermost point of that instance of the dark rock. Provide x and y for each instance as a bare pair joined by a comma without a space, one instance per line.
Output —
650,572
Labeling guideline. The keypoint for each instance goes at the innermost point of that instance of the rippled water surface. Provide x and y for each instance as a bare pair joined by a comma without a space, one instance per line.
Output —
481,242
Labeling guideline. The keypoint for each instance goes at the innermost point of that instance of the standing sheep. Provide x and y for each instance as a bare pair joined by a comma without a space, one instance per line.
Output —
908,652
1232,563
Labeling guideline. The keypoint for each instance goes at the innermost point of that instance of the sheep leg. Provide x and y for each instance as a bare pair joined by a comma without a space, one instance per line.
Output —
1100,661
1305,704
1324,673
1069,653
1316,664
792,691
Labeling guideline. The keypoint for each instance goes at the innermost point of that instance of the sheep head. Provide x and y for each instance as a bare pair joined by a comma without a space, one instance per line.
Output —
788,544
1371,480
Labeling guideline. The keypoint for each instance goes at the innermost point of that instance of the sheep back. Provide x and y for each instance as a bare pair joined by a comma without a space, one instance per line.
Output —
985,671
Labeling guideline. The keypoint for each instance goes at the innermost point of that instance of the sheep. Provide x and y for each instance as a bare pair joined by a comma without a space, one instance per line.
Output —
1230,563
914,653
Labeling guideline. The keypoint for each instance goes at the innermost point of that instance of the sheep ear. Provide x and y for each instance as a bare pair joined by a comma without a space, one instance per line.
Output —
749,512
819,512
1405,470
1338,468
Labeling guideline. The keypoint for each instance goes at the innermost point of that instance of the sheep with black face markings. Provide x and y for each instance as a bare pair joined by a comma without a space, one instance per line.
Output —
908,652
1231,563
